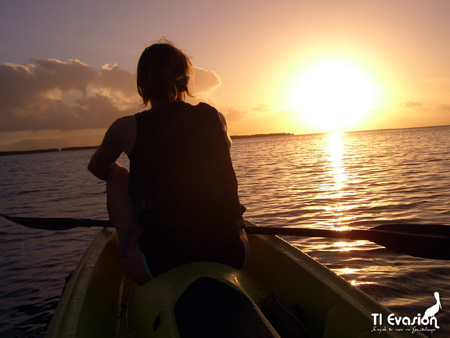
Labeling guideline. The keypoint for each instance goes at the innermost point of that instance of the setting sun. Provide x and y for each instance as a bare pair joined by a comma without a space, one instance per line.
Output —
333,95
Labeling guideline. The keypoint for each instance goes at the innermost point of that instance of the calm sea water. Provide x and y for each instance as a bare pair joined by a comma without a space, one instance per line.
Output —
323,181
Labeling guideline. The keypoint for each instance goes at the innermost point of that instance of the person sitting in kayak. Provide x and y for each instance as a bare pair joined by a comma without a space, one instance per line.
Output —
179,202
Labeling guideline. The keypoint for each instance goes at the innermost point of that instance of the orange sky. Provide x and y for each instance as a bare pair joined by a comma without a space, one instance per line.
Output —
67,68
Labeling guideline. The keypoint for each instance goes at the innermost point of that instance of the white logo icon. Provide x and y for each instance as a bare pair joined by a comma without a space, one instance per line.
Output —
432,310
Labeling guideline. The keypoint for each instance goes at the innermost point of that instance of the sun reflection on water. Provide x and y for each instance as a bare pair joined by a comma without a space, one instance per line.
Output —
336,188
346,273
335,152
345,246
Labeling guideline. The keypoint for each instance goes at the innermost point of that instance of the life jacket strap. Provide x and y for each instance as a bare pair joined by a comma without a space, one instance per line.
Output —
144,203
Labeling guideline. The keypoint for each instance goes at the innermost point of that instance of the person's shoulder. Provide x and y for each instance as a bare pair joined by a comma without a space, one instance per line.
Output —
122,133
124,123
122,128
204,105
208,108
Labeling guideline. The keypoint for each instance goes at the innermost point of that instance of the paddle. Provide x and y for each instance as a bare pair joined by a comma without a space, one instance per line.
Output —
428,241
57,223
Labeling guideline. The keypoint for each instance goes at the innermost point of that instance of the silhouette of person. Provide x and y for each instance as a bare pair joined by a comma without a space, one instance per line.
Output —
178,203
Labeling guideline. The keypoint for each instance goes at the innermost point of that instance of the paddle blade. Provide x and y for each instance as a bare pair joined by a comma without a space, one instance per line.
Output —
426,241
422,229
420,240
57,223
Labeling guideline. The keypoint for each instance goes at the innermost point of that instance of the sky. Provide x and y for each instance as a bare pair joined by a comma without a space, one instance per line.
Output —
67,68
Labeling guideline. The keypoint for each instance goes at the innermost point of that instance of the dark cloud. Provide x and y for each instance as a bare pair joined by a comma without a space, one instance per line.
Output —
51,94
71,75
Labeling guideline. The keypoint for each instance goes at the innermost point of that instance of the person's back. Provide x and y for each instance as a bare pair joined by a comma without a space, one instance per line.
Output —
181,167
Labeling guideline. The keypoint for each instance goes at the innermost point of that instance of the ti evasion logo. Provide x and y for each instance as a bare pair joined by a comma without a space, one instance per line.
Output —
428,319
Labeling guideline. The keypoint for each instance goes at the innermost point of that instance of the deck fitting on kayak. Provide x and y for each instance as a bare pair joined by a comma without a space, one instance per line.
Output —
159,318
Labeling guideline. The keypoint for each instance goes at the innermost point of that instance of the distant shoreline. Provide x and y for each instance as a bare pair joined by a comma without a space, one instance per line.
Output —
21,152
261,135
36,151
51,150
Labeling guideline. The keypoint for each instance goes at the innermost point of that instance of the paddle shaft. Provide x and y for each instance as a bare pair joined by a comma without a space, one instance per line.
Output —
419,244
424,241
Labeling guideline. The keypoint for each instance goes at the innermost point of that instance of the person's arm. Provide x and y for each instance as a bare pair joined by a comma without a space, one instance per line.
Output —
225,129
118,138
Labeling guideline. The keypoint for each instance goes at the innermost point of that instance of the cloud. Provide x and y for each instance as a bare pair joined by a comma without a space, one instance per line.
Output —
262,108
232,114
116,79
412,104
259,111
51,94
445,107
204,81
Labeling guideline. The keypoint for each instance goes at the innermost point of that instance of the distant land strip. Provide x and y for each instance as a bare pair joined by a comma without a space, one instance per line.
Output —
21,152
261,135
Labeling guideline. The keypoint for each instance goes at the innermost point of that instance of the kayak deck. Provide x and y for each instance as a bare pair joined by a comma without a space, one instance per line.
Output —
204,299
101,301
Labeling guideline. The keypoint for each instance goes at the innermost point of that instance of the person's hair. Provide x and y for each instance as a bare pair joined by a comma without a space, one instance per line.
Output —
163,73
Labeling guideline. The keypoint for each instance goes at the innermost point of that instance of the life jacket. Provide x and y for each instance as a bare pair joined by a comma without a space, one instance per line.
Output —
182,180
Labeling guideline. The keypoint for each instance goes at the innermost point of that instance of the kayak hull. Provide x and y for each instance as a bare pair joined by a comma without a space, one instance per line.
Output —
101,301
94,297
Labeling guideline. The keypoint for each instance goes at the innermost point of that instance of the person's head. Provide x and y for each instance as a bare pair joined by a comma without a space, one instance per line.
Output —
163,73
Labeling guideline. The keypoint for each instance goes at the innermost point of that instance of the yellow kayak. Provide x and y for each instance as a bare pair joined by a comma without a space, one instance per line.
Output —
281,292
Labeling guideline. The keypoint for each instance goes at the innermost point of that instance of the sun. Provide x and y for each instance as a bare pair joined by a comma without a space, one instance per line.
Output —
333,95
